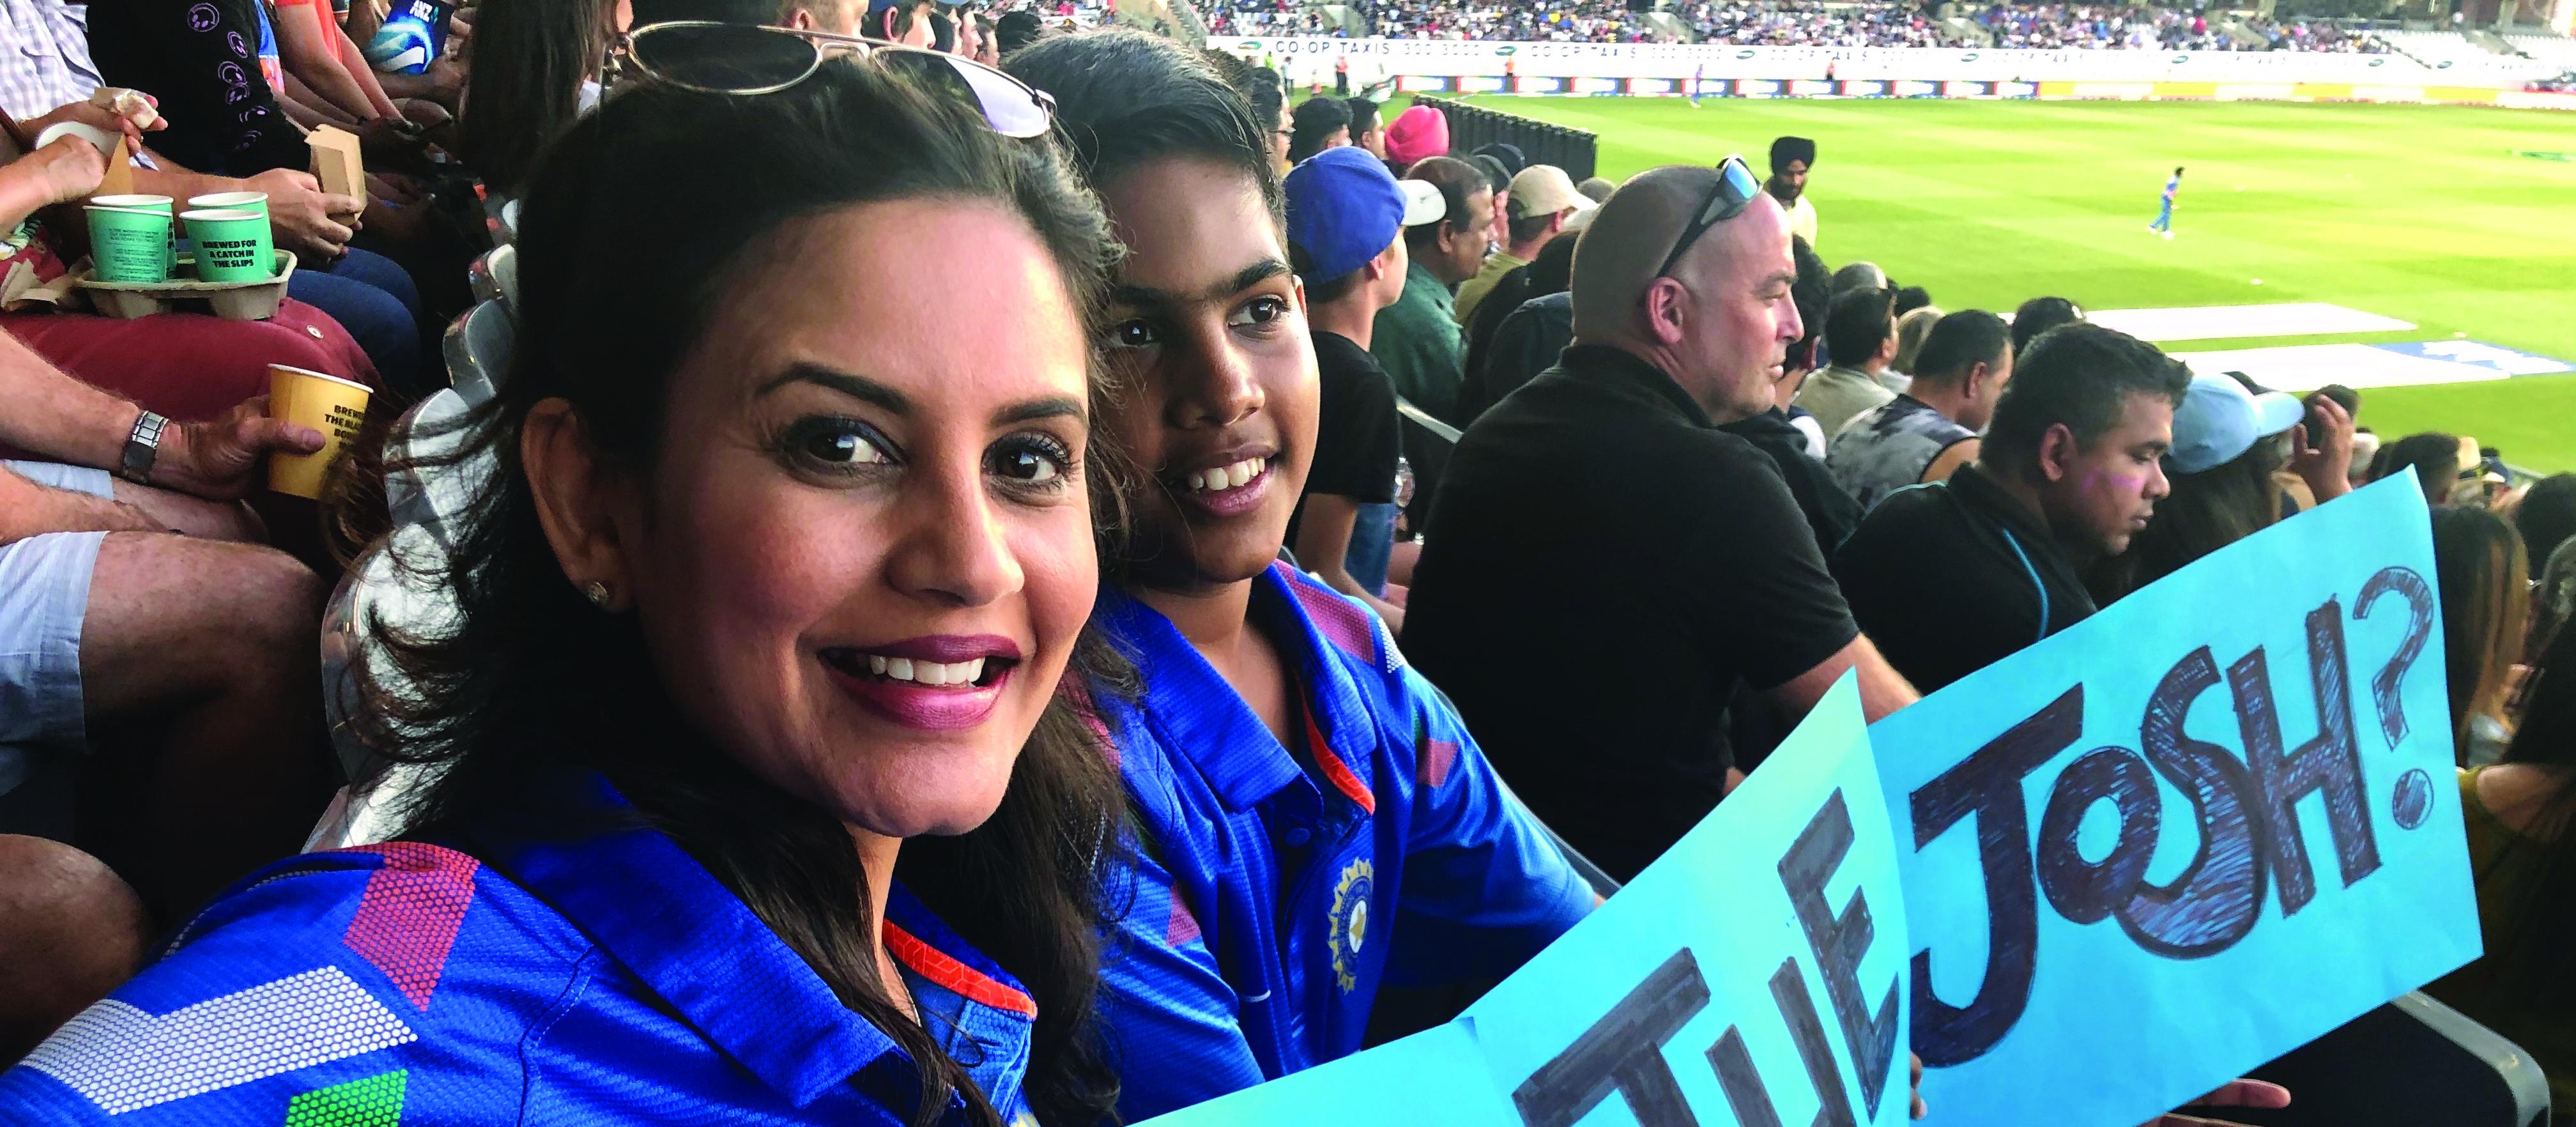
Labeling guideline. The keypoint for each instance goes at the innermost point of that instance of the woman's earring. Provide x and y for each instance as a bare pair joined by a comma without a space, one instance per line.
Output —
596,592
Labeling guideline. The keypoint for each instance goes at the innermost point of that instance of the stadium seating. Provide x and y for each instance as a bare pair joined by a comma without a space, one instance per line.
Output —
2436,48
2557,50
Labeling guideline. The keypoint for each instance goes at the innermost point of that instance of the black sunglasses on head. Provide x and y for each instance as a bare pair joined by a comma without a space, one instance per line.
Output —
742,59
1735,190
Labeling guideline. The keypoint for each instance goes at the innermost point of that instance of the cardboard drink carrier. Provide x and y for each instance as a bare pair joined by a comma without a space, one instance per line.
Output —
336,163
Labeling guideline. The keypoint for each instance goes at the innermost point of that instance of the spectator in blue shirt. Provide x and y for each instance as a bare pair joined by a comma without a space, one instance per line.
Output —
1314,822
753,775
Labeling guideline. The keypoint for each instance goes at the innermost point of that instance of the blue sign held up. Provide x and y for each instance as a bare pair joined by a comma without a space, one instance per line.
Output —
1755,974
2203,827
2086,884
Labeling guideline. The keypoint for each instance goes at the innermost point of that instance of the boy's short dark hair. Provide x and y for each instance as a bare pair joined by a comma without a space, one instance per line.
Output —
2081,376
2038,315
1126,98
1314,120
1856,324
1959,341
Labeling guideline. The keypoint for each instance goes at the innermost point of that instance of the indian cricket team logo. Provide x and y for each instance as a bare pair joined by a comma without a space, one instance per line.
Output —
1350,922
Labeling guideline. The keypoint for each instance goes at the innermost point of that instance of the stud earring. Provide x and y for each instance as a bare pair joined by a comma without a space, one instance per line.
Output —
596,592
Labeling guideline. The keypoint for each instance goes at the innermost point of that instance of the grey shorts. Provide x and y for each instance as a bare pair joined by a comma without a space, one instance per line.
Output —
44,595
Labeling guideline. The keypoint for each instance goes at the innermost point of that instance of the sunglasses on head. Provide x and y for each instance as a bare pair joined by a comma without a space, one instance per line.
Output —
743,59
1735,190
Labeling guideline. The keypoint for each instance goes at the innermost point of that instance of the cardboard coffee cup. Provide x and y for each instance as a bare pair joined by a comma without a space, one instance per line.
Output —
147,202
232,245
100,139
129,244
231,201
334,406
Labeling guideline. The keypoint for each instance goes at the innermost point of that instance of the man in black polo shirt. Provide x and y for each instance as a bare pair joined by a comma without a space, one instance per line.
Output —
1608,564
1954,576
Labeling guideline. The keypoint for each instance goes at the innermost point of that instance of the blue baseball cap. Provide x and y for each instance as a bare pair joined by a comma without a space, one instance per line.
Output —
1344,209
2219,420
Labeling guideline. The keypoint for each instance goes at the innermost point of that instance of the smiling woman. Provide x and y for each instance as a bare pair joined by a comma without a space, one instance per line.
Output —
778,575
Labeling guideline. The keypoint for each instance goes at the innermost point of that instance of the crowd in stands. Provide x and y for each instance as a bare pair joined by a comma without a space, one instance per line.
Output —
1575,21
838,702
1263,17
1796,24
2114,27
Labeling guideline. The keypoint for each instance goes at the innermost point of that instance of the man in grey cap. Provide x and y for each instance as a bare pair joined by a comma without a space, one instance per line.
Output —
1599,511
1791,157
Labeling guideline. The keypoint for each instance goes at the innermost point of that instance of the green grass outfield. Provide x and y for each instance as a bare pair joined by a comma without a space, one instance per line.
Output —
2421,213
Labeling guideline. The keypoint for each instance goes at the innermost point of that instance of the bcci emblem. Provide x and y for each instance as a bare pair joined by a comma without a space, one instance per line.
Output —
1350,922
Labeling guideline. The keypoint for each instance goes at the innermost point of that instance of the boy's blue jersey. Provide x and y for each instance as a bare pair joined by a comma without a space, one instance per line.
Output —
2173,188
1271,893
604,979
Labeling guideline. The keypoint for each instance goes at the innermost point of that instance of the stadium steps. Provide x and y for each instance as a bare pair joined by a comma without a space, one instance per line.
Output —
1671,25
1966,31
2557,50
2236,32
2493,42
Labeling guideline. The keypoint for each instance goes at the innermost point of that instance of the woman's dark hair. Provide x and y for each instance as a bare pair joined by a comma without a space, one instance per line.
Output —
524,85
2486,602
2435,456
2207,511
2530,952
1126,98
2546,517
636,223
1314,120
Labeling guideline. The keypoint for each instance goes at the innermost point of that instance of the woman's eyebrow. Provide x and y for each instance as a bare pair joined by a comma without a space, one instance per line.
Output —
847,383
1050,407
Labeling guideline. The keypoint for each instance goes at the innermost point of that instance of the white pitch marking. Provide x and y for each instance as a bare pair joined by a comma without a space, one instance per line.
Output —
2306,367
2218,322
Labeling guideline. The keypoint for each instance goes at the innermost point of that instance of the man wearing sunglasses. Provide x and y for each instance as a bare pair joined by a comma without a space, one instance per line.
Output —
1602,541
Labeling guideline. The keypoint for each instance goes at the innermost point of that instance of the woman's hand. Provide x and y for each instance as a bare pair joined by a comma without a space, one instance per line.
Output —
2324,459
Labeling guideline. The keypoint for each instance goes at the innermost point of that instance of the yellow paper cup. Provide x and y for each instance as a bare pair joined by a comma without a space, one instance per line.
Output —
334,406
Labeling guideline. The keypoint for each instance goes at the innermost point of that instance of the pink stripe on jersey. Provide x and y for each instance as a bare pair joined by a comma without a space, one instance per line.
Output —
408,916
1340,621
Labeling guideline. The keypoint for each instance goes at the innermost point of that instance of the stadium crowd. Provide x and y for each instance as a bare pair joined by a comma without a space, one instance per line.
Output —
915,633
1797,23
1813,25
1575,21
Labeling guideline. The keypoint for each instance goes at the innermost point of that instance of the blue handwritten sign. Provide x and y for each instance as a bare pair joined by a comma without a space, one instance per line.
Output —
1753,975
2207,825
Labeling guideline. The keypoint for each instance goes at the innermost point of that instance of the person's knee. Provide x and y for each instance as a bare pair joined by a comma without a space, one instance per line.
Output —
70,932
280,601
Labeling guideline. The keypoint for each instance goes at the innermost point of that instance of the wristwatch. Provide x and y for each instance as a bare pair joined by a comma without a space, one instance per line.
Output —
141,447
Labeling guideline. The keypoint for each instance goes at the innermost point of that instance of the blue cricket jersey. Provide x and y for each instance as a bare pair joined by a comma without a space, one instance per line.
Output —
1270,897
603,979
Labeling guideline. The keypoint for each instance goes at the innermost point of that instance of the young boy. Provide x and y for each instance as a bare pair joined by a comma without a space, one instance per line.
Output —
1312,820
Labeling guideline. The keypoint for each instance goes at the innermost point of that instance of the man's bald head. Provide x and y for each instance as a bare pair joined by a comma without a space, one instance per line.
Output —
1716,321
1616,261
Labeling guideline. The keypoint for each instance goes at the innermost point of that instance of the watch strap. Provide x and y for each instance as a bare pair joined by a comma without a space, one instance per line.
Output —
142,448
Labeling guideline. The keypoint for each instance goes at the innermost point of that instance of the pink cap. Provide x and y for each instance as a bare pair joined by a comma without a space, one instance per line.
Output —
1416,134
